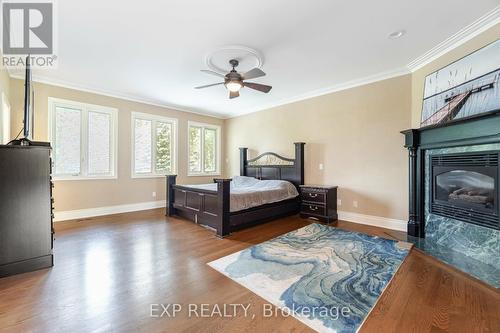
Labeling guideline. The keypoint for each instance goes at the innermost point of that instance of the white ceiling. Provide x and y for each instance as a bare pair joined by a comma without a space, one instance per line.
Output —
153,50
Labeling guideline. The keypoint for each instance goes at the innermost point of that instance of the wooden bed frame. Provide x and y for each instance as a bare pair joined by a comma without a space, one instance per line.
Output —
211,208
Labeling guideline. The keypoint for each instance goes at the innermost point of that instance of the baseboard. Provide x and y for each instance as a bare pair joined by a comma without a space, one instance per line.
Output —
377,221
28,265
108,210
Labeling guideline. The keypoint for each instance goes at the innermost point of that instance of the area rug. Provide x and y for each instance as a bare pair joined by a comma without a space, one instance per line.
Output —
326,277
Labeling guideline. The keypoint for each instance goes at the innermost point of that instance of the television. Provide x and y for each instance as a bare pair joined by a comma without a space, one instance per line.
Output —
28,122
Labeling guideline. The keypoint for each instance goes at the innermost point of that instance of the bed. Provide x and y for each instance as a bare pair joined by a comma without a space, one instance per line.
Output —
228,206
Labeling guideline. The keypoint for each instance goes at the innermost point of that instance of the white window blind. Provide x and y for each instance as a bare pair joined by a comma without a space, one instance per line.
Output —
83,138
153,145
203,149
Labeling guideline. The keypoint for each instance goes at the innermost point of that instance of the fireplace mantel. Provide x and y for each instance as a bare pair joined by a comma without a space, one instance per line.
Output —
482,129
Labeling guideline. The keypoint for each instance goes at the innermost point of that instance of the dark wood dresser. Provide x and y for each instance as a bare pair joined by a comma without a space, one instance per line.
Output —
319,202
26,232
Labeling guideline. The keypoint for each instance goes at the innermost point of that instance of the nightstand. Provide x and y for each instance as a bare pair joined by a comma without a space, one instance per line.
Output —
319,202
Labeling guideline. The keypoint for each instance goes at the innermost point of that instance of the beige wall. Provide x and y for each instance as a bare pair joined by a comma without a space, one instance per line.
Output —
4,113
4,83
418,76
354,133
81,194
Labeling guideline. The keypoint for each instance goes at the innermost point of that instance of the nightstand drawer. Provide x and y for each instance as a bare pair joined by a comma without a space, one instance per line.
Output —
313,209
311,196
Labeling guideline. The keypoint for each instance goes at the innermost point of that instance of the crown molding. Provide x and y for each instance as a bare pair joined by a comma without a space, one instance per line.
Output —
108,93
325,91
472,30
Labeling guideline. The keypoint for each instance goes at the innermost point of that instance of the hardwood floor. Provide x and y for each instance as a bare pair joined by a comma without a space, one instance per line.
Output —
108,271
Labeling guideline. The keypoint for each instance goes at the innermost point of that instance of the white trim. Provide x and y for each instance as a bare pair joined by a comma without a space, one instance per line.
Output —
85,108
472,30
376,221
218,157
114,94
325,91
175,153
477,27
108,210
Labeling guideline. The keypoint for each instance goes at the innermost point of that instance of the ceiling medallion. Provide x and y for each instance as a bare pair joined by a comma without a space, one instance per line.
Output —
218,59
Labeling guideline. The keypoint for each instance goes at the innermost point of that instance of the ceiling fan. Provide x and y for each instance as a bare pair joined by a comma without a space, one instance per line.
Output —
234,81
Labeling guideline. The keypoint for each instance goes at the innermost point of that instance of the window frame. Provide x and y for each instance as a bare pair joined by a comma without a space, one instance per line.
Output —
218,156
153,118
84,133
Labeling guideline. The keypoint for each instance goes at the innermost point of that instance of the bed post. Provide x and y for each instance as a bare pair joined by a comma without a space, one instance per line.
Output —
299,160
243,161
170,210
223,204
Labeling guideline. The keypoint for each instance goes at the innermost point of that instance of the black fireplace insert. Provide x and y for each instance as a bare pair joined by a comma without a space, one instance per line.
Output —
465,187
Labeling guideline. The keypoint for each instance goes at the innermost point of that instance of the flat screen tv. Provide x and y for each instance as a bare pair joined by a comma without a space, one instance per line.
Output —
28,122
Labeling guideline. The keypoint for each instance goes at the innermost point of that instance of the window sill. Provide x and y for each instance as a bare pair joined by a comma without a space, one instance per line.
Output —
73,178
204,174
147,176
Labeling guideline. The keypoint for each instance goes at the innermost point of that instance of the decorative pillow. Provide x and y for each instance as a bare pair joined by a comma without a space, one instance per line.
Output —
243,181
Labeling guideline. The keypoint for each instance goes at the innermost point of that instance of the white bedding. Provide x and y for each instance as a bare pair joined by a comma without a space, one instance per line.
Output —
248,192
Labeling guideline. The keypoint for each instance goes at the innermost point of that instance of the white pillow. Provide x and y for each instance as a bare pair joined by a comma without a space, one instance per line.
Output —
243,181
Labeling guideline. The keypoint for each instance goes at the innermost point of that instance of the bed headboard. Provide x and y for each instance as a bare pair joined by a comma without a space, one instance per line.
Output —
273,166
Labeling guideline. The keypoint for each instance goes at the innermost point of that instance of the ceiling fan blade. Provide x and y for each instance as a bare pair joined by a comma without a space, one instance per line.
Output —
209,85
212,72
252,74
258,86
234,94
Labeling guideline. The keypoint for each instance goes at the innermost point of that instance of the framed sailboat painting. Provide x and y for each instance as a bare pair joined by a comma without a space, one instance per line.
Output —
466,88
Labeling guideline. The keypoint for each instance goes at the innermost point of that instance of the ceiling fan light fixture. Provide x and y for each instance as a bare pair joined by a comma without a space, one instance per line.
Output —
234,86
234,81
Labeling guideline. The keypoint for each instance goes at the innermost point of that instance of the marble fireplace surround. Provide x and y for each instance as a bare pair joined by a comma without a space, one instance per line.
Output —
470,248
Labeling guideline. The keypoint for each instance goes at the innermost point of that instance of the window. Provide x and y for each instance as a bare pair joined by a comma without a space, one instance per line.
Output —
84,139
203,149
153,145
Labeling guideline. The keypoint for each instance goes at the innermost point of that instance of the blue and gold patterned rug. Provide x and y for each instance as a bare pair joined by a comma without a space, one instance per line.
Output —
328,278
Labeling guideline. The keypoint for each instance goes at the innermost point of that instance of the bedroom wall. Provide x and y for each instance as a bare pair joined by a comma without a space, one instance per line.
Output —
418,76
4,82
355,135
84,194
4,106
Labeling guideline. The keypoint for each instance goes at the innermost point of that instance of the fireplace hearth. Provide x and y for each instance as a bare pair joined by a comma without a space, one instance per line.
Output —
465,187
453,211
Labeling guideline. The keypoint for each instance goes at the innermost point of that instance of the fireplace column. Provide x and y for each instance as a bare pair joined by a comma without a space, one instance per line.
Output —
415,225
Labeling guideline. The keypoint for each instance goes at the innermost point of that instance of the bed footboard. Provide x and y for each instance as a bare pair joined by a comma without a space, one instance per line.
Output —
206,207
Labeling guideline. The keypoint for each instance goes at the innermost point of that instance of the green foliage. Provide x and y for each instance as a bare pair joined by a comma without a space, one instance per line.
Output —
195,149
164,147
210,145
202,149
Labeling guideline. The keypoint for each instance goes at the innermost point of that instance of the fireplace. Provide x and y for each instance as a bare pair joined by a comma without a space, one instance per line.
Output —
465,187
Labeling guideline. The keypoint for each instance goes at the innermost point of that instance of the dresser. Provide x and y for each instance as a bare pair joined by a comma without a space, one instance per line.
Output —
26,232
319,202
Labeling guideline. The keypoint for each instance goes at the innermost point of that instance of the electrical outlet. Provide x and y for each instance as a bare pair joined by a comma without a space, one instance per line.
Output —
339,202
321,166
154,194
355,204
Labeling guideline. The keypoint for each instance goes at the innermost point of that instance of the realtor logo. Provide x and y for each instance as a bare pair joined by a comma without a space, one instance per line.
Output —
27,28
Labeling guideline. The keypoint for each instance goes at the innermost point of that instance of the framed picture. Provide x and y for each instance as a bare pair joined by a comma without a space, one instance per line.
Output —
465,88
